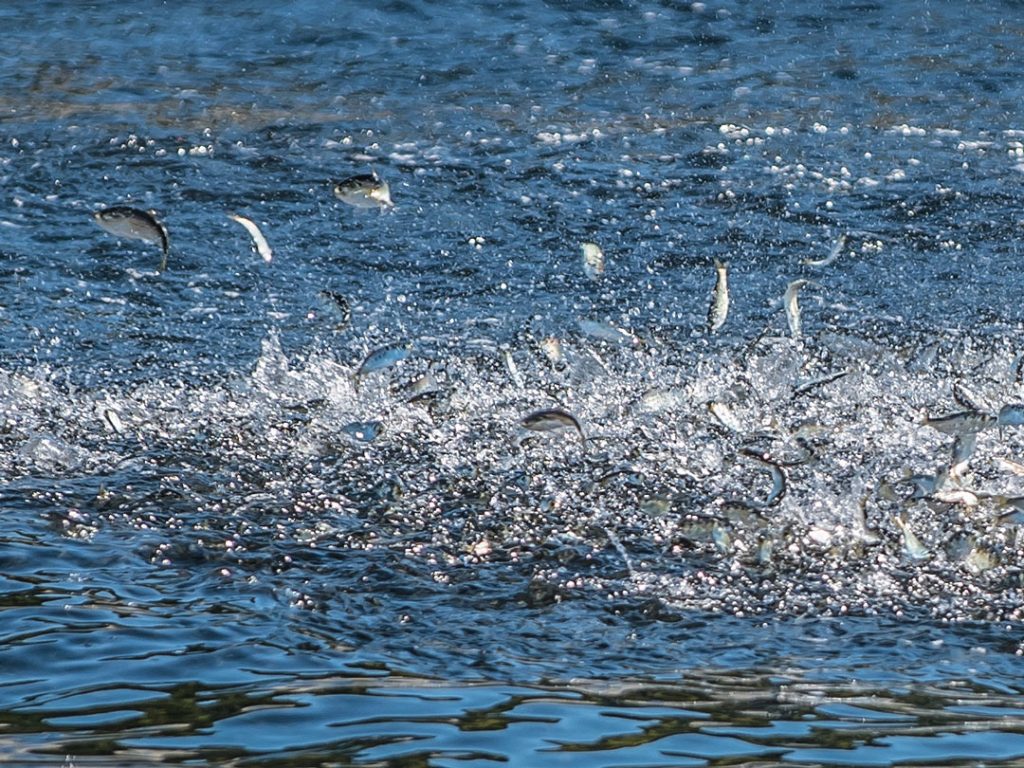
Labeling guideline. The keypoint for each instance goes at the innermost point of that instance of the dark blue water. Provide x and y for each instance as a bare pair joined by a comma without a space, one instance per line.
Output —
224,546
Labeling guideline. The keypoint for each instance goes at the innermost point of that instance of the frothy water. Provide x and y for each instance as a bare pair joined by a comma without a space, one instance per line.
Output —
246,523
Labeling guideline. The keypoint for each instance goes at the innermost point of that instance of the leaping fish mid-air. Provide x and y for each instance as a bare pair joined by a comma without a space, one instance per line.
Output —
364,190
134,224
719,310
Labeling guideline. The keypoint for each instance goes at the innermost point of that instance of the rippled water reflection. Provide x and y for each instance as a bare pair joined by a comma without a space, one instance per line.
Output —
224,544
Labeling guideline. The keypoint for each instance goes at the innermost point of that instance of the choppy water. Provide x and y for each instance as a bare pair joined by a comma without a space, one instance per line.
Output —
221,546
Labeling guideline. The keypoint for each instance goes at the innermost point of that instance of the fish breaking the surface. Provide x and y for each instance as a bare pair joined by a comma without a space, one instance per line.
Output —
793,308
593,260
550,420
380,359
719,310
136,225
258,240
833,254
364,190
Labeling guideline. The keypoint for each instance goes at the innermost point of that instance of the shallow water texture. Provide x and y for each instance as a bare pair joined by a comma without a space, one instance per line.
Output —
290,511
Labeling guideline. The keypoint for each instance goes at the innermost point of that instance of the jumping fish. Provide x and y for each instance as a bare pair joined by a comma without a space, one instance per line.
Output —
963,449
380,359
258,240
720,299
807,386
551,420
960,423
136,225
969,400
593,260
608,332
912,545
552,348
1014,467
725,416
792,307
113,421
778,490
833,254
338,306
364,190
513,369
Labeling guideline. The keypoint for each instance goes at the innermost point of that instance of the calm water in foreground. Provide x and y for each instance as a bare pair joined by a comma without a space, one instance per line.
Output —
228,540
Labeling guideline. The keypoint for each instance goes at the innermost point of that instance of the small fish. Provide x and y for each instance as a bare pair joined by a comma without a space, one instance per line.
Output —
912,546
365,190
552,348
657,399
968,400
864,532
778,490
957,496
422,389
135,225
792,307
338,306
608,332
258,240
593,260
113,421
963,449
1008,465
833,254
723,540
550,420
513,369
807,386
981,559
960,423
725,416
380,359
719,310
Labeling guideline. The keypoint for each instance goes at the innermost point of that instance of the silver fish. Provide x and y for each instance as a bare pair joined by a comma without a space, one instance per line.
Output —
1008,465
593,260
550,420
725,416
963,449
364,190
792,307
778,490
552,348
969,400
833,254
113,421
912,546
513,369
719,310
807,386
961,423
338,306
134,224
380,359
258,240
608,332
864,532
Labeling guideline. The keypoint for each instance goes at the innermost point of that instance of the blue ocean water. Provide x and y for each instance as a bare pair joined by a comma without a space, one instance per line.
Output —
224,545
